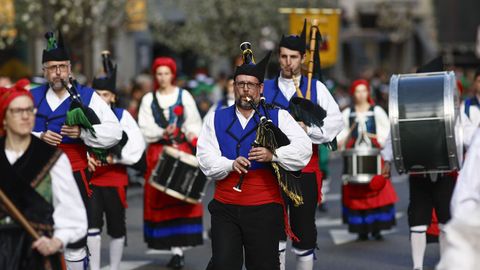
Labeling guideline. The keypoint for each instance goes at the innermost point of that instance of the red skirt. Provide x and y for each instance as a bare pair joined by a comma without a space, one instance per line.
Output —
169,222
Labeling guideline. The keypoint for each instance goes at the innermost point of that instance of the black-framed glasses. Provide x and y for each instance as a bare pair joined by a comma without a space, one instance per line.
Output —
248,85
54,68
17,112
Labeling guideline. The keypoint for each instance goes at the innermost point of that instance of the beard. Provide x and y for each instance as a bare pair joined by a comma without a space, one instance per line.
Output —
56,85
242,103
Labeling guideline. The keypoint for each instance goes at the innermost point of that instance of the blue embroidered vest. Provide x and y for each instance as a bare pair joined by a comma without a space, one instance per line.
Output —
274,95
46,119
234,141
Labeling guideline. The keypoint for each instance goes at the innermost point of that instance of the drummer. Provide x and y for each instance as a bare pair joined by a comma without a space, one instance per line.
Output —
428,192
168,116
367,208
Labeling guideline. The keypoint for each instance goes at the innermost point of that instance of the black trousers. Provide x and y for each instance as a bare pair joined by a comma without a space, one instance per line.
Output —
250,231
426,195
302,218
107,200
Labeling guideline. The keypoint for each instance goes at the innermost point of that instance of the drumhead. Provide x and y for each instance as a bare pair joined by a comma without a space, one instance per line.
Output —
422,113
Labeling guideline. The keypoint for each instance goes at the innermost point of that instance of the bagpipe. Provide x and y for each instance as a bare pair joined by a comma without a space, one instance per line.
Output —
83,116
271,137
301,107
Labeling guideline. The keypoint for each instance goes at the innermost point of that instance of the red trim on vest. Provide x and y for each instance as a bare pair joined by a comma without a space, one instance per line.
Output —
77,154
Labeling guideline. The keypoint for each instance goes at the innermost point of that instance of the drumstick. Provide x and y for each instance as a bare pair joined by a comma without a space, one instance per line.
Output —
20,218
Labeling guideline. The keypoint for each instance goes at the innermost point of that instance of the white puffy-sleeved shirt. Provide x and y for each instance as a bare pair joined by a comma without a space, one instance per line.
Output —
466,197
107,134
69,215
332,124
135,146
292,157
382,124
151,131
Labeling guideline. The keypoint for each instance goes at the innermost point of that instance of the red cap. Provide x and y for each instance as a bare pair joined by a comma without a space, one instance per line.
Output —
357,83
7,95
167,62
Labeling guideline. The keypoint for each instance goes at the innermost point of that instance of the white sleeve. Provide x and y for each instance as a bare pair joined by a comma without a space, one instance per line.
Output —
150,130
382,124
468,129
344,134
466,196
387,151
108,133
193,121
209,156
332,124
135,146
69,216
297,154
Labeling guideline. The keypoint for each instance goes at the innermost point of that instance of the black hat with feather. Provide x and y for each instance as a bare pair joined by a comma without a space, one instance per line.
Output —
108,80
295,42
56,49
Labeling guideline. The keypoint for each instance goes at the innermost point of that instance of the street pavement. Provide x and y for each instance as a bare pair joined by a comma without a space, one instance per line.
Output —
337,249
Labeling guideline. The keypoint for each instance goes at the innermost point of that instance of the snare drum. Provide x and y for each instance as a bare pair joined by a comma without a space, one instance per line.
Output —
178,175
423,112
361,165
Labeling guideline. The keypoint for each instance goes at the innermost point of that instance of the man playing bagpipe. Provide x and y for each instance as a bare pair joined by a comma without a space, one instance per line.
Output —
109,181
248,220
41,210
72,117
320,119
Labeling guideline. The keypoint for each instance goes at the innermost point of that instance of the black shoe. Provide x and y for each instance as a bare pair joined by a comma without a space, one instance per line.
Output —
176,262
377,236
362,237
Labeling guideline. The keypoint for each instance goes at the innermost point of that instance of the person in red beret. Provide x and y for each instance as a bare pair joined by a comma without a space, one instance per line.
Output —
168,116
37,178
368,208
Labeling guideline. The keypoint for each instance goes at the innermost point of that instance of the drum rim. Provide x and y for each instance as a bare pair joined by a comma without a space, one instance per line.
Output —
181,155
173,193
362,178
450,115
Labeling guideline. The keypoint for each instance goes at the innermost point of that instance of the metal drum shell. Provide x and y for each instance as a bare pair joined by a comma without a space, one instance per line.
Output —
352,175
423,140
195,190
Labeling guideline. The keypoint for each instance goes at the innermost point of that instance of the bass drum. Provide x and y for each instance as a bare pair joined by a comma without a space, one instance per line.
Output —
424,110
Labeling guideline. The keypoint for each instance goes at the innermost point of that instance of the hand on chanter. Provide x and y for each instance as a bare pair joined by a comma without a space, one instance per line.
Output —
260,154
71,131
241,164
51,137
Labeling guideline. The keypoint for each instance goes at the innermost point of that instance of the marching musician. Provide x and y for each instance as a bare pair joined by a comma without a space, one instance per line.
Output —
109,181
279,91
429,192
53,103
250,220
38,179
471,106
168,116
367,208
